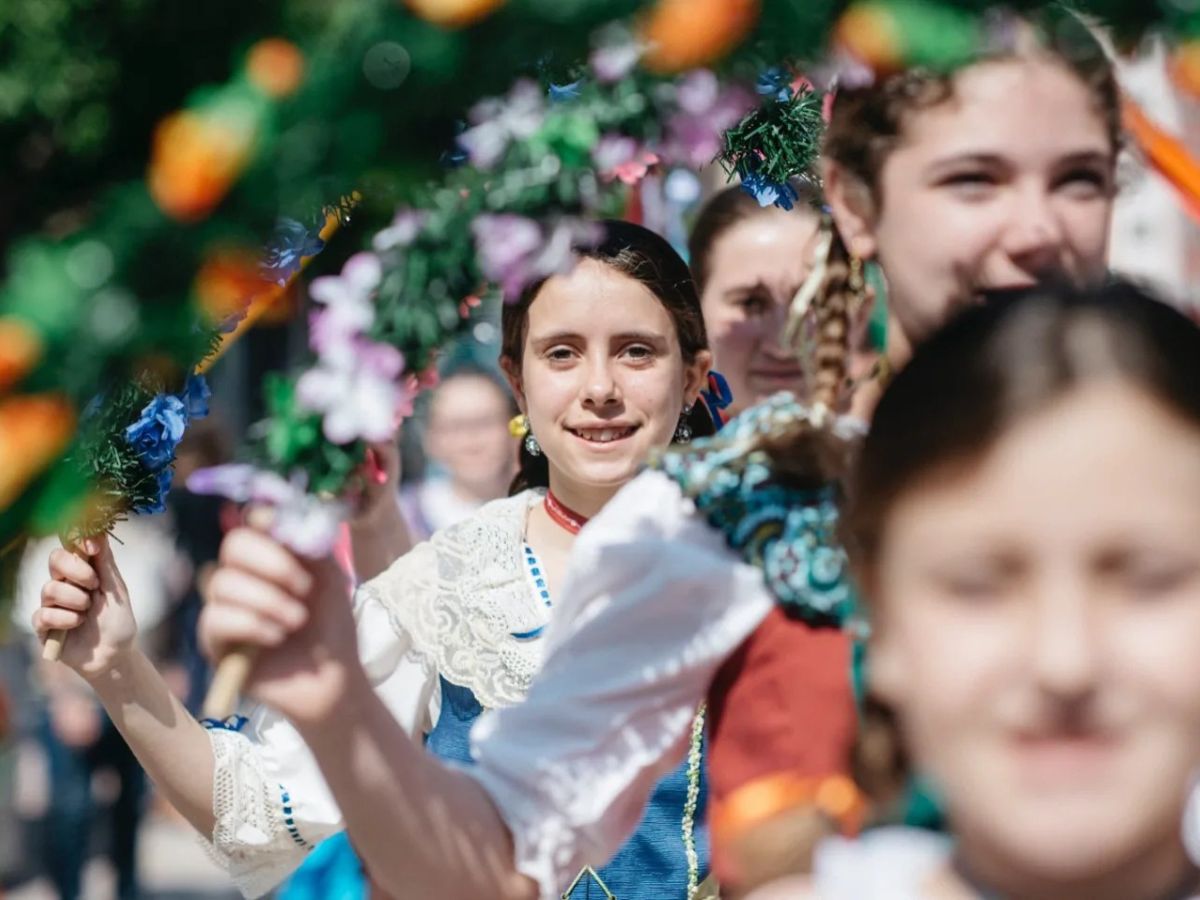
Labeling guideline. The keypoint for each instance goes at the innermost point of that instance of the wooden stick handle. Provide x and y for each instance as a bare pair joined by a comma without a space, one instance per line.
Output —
53,648
232,672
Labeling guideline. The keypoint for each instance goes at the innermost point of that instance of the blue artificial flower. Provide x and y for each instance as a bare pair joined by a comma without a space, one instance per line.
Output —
768,192
774,82
564,93
195,396
159,503
292,241
157,432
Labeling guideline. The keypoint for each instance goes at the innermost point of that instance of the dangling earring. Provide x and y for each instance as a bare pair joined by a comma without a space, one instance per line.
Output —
683,431
518,426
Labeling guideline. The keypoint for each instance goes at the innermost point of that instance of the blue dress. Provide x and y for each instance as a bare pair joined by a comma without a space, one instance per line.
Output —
652,865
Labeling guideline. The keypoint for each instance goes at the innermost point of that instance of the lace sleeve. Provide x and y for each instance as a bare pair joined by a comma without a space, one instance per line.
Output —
270,802
251,838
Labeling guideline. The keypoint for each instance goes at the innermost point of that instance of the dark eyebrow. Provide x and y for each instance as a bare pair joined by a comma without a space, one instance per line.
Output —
989,161
541,342
748,288
1085,158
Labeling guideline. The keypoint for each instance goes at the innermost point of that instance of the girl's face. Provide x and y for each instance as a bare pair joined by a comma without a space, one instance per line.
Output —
755,268
1007,181
1037,617
603,380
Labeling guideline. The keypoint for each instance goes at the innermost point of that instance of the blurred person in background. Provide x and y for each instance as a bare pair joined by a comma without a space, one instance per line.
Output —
76,735
468,443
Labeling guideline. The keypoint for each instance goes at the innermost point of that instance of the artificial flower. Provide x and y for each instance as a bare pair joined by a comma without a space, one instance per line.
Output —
496,122
356,392
768,192
347,298
292,241
158,430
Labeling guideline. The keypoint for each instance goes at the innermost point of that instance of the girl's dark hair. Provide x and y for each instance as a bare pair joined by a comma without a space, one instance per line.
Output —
725,209
647,258
988,369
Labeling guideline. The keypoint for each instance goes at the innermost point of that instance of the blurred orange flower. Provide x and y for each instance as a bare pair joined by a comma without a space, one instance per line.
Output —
20,350
683,34
276,67
452,13
195,160
34,430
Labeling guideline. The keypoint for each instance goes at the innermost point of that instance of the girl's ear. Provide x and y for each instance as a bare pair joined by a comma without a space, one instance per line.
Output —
512,374
695,376
853,209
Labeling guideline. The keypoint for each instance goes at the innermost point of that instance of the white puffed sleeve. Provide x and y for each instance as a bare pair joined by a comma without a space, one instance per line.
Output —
654,602
270,801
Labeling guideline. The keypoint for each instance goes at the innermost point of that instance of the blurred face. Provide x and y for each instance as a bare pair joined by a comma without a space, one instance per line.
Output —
1038,615
1007,181
603,379
468,432
755,268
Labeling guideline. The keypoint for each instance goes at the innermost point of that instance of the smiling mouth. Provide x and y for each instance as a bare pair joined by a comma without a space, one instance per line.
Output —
603,435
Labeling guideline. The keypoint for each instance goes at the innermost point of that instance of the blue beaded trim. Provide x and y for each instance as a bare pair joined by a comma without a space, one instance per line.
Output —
541,591
233,723
290,822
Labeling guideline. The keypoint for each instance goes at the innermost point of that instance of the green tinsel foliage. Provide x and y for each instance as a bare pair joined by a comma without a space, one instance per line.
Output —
292,441
118,479
780,140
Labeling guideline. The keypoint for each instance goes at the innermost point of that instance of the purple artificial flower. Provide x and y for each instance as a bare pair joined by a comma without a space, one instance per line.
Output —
613,150
497,122
515,251
236,481
159,503
505,244
292,241
306,524
196,395
158,430
403,231
618,156
694,134
349,302
614,61
356,391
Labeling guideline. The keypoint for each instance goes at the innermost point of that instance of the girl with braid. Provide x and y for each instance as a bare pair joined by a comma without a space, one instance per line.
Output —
718,573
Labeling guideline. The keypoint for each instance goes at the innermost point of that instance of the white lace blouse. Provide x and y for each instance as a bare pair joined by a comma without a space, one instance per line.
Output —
450,606
654,603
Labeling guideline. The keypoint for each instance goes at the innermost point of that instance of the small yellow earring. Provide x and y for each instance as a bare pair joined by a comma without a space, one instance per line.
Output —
518,426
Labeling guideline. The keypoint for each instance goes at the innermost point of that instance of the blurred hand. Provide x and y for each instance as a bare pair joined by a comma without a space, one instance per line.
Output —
86,597
380,475
294,613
